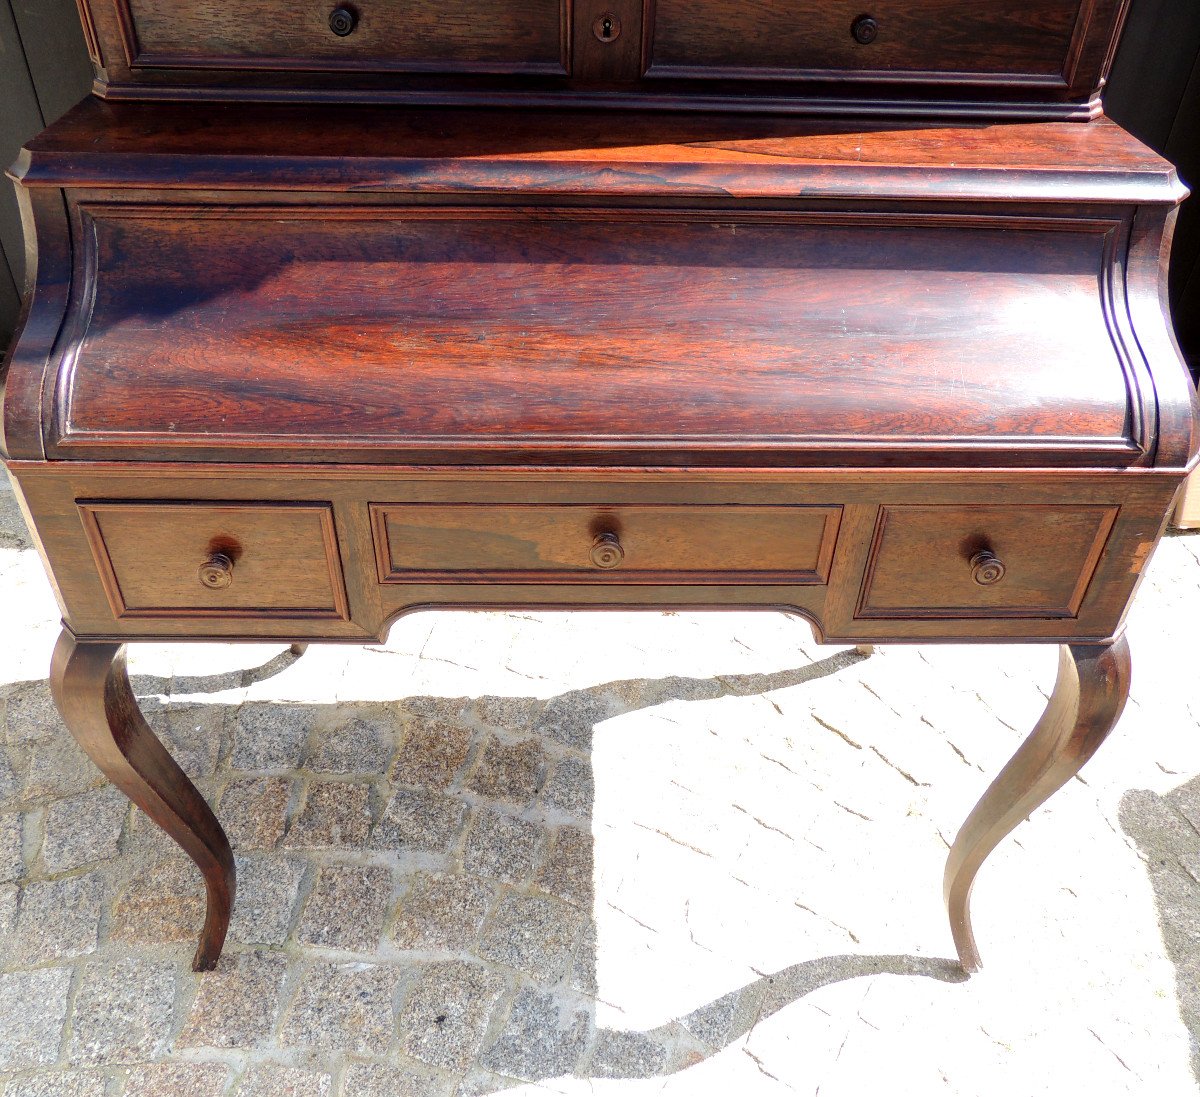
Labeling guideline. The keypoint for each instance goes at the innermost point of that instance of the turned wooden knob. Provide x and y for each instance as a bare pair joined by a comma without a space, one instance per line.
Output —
987,568
216,572
607,551
343,20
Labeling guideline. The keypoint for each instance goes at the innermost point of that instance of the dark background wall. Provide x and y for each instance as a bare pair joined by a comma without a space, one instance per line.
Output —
1154,91
44,70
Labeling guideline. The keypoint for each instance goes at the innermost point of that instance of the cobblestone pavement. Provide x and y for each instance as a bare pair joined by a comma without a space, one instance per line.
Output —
605,854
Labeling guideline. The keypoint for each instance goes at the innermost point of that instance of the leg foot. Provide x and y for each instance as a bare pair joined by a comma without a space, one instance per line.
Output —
864,649
92,692
298,649
1092,686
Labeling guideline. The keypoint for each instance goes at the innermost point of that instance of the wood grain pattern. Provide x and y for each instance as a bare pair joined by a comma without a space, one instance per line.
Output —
284,559
390,35
417,542
50,491
494,334
1016,57
1025,41
548,155
920,563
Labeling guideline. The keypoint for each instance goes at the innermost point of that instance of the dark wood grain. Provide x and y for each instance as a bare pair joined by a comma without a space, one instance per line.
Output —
92,692
1024,39
1009,56
396,35
473,335
548,155
1091,690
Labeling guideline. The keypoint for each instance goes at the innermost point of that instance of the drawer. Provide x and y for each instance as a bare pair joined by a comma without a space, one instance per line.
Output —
375,35
775,39
217,559
983,561
465,542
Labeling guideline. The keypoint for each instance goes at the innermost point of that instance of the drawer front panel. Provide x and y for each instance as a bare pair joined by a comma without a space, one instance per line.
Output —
584,543
377,35
983,561
773,39
217,559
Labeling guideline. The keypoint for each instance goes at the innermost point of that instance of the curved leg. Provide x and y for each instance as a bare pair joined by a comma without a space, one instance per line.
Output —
91,689
1092,685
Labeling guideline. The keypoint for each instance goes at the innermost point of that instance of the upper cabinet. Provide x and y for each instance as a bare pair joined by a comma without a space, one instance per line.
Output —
1033,58
465,36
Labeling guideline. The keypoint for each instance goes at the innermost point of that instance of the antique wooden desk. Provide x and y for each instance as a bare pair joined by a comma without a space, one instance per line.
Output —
342,311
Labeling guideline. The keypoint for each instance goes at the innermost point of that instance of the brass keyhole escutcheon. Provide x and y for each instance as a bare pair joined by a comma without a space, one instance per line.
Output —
607,27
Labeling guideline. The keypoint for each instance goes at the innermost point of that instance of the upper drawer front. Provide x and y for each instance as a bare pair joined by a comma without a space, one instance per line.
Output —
1008,53
417,542
894,39
185,560
367,35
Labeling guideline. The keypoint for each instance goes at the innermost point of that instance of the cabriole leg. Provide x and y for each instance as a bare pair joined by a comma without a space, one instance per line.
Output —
91,689
1092,686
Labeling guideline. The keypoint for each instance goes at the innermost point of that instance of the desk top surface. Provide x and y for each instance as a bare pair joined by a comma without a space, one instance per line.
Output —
466,150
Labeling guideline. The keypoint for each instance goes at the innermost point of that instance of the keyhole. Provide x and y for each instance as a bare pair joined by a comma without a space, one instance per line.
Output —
606,27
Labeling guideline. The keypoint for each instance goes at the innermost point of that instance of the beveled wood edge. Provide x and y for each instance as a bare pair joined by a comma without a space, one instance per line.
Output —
936,613
388,575
631,473
576,178
1076,110
88,509
821,636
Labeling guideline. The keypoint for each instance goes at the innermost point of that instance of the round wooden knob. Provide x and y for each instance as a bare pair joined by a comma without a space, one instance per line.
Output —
607,551
865,30
216,572
342,21
987,568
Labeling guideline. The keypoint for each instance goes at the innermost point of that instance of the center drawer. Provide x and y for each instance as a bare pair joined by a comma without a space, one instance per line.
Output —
468,542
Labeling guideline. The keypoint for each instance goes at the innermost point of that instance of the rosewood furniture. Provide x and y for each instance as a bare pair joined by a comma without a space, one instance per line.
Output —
342,311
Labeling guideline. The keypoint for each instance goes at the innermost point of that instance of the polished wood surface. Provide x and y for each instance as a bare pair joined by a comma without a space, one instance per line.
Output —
216,560
831,341
470,335
546,155
1091,690
982,561
1022,57
471,542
